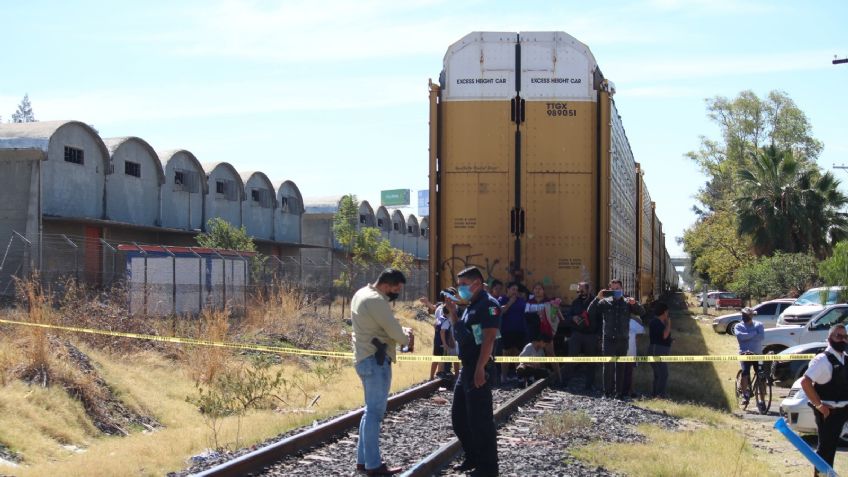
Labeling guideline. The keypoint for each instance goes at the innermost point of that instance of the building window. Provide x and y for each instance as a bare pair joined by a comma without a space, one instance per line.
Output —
396,226
255,195
361,218
424,233
380,223
74,155
179,178
220,187
409,229
132,169
284,204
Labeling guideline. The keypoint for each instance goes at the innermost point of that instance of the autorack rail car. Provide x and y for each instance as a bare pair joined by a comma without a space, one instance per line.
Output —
531,174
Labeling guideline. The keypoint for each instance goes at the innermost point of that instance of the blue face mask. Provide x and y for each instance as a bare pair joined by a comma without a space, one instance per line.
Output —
617,293
465,292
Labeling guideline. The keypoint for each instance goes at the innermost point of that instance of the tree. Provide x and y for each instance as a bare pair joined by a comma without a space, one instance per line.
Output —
786,208
715,249
749,123
221,234
364,246
24,113
834,270
779,275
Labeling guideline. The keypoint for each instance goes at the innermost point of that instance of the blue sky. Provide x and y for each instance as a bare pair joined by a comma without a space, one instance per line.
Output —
333,94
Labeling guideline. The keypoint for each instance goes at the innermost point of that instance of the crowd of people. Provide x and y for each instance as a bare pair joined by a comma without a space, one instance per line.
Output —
479,320
532,323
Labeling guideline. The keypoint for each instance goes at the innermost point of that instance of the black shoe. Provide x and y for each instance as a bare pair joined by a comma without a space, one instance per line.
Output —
480,472
465,466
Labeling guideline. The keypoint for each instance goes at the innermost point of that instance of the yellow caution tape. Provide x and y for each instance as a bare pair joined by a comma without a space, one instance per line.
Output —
421,358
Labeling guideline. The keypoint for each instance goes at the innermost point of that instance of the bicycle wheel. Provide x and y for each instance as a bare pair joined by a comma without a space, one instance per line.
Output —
737,387
762,393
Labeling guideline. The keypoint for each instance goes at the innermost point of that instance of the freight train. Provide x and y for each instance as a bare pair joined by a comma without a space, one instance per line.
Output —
531,174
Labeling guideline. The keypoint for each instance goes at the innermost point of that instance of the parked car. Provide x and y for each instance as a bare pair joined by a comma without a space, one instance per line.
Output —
767,314
710,298
799,416
808,304
787,372
780,338
727,300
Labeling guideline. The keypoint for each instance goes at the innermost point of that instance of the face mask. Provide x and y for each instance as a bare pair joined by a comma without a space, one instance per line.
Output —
465,292
392,296
838,346
617,293
747,319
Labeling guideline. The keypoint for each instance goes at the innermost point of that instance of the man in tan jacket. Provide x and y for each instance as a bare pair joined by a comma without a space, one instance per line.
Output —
376,334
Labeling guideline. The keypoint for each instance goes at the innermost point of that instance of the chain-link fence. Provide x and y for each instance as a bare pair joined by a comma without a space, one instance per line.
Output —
164,279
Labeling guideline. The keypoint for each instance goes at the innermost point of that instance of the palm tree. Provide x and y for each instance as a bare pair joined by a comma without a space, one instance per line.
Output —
784,206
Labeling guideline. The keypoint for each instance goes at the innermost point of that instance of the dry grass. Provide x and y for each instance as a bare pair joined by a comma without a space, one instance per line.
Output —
560,424
703,452
207,362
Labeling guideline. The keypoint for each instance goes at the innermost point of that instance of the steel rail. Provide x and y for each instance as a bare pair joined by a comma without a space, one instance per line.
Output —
258,460
445,454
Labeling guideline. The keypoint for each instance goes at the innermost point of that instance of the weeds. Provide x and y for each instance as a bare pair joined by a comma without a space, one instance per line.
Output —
38,311
206,362
560,424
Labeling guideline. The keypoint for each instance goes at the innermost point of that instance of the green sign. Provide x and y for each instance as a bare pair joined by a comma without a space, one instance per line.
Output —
396,197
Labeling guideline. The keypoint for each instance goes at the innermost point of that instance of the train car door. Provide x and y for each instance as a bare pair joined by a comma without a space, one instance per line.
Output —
476,157
558,161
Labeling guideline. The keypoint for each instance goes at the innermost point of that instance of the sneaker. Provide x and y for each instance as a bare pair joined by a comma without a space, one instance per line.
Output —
465,466
761,406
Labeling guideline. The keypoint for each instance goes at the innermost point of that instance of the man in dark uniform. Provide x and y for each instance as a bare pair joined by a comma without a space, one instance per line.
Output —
614,310
586,332
826,385
471,412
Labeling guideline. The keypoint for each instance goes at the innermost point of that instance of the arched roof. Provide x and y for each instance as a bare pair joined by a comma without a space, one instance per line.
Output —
287,184
364,206
114,143
412,221
38,135
397,216
246,176
210,167
424,224
166,156
383,213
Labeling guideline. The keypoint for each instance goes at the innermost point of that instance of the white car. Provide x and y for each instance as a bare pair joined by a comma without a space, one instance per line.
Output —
767,314
798,415
780,338
808,304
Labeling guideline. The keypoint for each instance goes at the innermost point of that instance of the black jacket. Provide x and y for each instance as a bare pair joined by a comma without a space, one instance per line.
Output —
615,316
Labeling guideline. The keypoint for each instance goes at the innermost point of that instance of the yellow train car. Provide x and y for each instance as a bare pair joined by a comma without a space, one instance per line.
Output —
531,174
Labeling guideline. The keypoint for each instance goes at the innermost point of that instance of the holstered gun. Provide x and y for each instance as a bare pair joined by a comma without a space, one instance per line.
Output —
380,355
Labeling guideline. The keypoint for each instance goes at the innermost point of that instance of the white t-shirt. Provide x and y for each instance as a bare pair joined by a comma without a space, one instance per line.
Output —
820,371
446,326
636,328
529,352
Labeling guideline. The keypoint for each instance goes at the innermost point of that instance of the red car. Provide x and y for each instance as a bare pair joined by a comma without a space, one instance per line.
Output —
728,300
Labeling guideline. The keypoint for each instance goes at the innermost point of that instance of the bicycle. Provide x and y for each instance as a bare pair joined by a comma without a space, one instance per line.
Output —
761,387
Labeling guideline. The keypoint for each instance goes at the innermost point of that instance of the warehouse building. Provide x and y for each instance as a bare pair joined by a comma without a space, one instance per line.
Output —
68,196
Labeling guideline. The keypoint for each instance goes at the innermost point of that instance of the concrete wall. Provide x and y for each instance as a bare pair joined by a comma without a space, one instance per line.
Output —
383,222
424,238
74,190
258,206
19,212
226,204
397,236
131,199
289,214
410,244
366,215
183,204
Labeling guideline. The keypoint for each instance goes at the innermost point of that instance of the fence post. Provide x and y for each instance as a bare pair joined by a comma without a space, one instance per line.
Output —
199,280
144,297
223,278
173,280
114,252
76,255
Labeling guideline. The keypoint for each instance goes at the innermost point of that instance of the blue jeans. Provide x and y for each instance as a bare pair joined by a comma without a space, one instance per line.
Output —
376,381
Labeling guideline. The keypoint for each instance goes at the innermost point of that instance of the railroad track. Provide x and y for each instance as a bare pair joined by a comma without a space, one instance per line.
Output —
417,436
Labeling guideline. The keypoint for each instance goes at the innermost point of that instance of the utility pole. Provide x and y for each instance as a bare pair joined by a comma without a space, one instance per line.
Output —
840,166
839,61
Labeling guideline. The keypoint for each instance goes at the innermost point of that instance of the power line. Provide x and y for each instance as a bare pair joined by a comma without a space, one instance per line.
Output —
839,61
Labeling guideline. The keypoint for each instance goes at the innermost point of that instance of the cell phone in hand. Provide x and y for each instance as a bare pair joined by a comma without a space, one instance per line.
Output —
608,293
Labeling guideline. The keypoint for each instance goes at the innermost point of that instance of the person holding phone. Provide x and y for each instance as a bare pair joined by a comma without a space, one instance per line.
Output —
613,308
472,413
